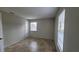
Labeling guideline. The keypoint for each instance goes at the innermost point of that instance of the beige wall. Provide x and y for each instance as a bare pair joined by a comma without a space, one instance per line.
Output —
13,28
45,29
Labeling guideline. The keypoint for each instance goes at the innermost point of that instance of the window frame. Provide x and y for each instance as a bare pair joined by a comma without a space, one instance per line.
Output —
36,29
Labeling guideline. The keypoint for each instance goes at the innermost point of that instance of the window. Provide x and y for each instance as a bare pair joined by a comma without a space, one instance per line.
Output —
33,26
26,27
60,39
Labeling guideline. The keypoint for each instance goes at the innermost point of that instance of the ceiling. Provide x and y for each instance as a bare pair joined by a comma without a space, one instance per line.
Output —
32,12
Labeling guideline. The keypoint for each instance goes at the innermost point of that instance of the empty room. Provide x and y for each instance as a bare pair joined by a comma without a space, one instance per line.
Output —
39,29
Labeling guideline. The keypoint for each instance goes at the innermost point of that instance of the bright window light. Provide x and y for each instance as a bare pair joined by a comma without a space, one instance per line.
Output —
33,26
60,39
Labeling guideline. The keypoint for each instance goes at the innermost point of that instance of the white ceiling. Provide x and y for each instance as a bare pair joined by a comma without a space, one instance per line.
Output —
32,12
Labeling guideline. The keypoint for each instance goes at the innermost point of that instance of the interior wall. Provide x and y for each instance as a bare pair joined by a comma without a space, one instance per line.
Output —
71,39
45,29
14,28
71,30
1,35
